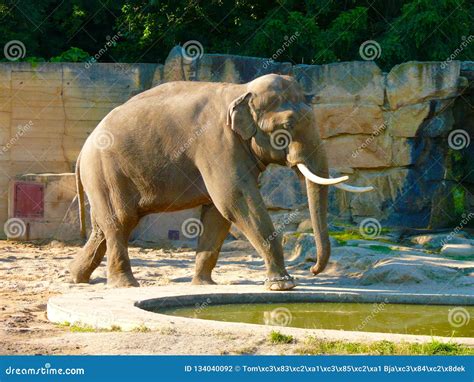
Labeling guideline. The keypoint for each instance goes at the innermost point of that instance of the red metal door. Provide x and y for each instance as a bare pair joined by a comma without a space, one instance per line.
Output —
28,200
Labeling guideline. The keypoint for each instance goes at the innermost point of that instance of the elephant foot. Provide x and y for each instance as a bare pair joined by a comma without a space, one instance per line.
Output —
203,280
280,283
78,274
122,280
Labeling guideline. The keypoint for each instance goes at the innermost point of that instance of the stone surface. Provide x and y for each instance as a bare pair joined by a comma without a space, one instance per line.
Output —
414,82
405,121
462,250
336,119
357,82
359,151
236,69
94,309
364,133
437,241
281,188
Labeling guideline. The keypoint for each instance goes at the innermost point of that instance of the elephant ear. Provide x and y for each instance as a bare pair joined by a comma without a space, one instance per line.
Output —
239,116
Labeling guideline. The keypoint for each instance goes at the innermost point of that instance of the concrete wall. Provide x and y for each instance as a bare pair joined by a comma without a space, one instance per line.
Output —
387,129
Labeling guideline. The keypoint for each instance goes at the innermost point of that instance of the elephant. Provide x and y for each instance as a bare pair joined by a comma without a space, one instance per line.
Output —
185,144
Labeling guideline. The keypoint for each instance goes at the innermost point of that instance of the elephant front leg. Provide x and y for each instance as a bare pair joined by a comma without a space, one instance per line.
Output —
215,230
243,205
257,226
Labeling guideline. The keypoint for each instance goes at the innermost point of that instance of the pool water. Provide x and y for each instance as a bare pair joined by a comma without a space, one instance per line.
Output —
438,320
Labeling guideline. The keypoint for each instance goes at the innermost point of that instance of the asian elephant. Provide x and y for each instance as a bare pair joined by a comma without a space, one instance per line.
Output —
186,144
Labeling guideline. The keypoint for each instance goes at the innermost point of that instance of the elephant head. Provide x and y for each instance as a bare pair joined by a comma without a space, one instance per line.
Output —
279,125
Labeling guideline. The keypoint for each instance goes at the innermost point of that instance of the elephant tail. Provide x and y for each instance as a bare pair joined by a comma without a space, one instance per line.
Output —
80,198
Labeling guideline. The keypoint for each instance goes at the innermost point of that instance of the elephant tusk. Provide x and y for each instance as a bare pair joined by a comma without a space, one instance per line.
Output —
347,187
317,179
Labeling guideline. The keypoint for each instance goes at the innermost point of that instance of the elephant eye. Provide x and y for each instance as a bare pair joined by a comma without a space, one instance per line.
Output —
287,125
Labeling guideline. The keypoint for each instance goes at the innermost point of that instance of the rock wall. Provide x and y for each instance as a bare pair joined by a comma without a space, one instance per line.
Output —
385,129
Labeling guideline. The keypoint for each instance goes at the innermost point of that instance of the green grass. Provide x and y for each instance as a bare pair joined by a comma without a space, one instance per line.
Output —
353,234
142,329
83,328
279,338
380,248
316,346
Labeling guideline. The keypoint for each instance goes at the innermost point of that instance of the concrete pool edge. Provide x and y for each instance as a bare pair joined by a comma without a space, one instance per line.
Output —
119,308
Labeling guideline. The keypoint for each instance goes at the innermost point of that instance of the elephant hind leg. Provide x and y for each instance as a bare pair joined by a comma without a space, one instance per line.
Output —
215,230
89,257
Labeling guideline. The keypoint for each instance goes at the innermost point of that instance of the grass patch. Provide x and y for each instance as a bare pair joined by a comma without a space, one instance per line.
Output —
380,248
83,328
142,329
279,338
343,237
316,346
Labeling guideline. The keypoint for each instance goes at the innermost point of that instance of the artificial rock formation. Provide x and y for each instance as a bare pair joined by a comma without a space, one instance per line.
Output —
385,129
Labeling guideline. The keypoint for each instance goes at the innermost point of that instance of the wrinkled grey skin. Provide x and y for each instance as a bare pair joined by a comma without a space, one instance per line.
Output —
187,144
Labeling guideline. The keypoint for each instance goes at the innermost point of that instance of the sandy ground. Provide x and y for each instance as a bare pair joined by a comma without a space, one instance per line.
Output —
31,273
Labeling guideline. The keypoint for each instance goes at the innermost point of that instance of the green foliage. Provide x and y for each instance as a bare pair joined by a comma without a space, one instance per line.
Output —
318,346
279,338
325,30
71,55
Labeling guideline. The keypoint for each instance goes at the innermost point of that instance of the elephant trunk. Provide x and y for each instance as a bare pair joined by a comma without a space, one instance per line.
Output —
318,206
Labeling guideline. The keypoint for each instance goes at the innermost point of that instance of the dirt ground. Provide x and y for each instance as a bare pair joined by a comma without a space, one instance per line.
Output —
30,273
